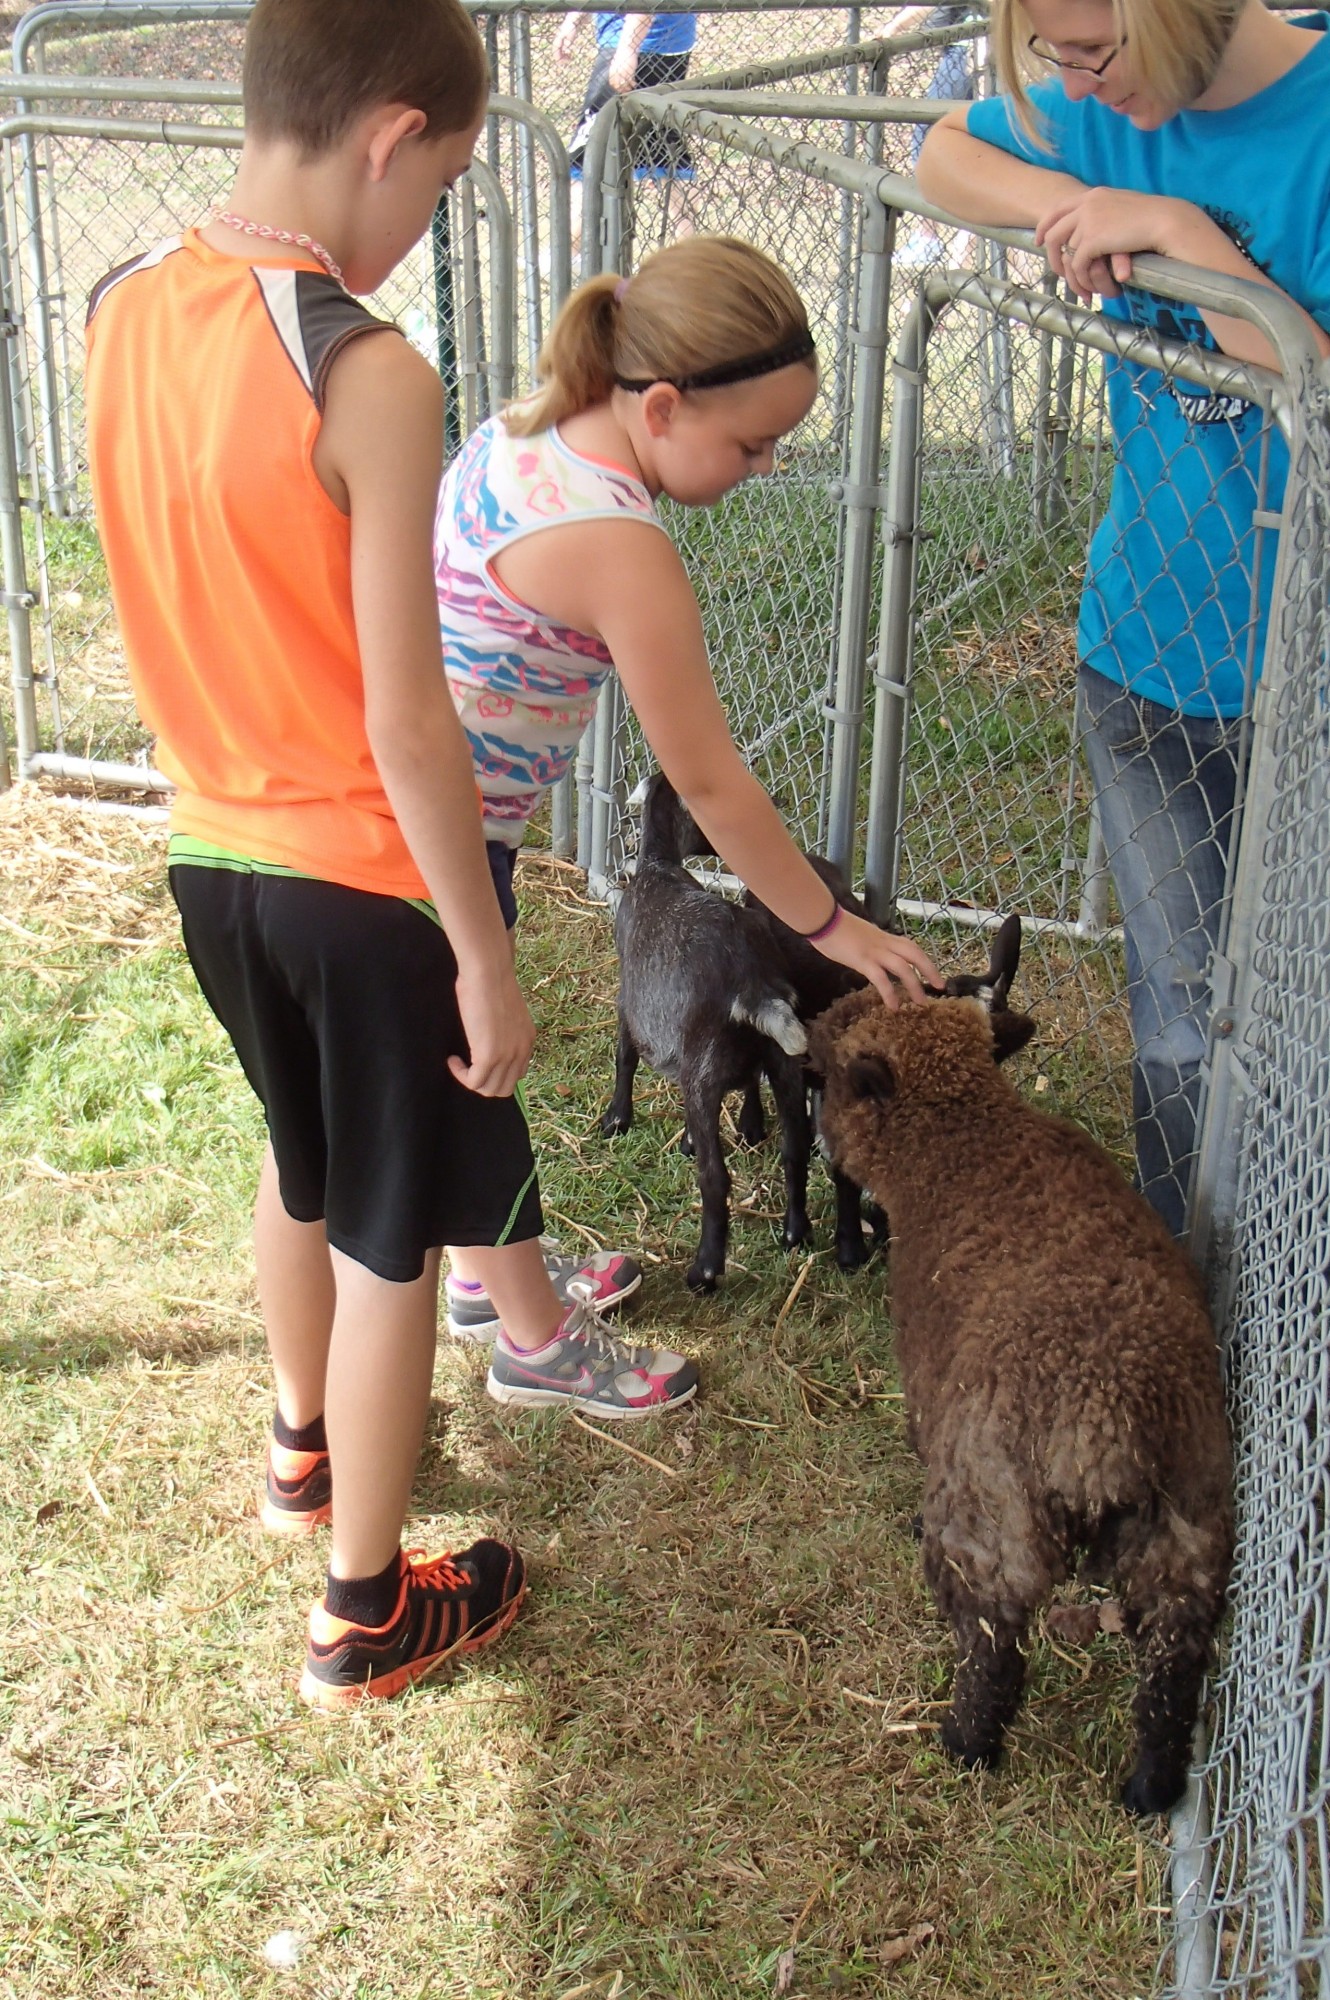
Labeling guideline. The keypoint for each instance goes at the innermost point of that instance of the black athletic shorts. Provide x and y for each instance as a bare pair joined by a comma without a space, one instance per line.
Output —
343,1011
503,863
654,154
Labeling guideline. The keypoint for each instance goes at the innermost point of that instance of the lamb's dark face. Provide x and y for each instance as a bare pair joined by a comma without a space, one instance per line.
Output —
883,1067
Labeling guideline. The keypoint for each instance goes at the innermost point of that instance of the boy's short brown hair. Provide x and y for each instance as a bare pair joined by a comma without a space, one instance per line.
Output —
313,66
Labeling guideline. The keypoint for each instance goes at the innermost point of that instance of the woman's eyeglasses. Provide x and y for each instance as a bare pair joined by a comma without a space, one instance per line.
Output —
1044,52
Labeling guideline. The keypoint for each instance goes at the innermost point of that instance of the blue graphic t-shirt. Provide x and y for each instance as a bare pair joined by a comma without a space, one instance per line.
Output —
668,35
1168,602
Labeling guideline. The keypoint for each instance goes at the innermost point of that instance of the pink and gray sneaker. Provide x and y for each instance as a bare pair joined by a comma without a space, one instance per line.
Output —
584,1367
601,1282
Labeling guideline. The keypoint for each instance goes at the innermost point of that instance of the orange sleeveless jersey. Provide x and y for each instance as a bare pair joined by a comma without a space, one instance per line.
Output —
230,567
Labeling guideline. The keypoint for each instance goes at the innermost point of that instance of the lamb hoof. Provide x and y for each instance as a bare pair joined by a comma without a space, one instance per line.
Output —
615,1122
686,1146
975,1753
917,1527
752,1131
701,1278
797,1229
852,1252
1152,1789
878,1223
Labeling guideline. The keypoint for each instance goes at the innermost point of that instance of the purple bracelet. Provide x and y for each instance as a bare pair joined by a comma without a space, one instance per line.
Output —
812,937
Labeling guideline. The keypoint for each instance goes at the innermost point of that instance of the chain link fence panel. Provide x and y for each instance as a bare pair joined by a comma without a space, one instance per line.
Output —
103,190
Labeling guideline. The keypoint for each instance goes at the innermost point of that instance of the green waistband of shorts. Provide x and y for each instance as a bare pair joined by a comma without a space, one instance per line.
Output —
188,849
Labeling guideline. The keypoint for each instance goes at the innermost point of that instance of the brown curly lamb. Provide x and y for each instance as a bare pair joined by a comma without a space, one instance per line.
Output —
1059,1365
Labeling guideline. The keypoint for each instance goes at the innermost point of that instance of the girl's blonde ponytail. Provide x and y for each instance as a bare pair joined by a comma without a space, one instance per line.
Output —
576,366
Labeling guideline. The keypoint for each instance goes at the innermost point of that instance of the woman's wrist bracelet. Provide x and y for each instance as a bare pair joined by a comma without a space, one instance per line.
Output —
815,937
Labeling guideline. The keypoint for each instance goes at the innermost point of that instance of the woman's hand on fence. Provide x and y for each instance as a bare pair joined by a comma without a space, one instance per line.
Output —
1090,238
881,957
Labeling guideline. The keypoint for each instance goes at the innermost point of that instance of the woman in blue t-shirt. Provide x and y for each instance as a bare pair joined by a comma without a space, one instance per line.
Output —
1195,129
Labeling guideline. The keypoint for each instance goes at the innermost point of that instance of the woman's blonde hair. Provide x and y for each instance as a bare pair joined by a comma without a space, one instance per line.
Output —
1176,47
694,306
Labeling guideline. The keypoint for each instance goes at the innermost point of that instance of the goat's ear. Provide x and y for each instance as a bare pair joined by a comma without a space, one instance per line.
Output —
1011,1032
1006,956
871,1076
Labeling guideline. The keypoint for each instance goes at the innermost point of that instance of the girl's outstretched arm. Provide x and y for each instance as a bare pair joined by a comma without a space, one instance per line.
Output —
647,614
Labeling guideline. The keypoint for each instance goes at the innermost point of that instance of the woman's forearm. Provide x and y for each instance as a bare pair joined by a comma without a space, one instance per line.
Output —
983,184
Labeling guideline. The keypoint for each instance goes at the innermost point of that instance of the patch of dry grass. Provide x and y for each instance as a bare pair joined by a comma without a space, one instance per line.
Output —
708,1744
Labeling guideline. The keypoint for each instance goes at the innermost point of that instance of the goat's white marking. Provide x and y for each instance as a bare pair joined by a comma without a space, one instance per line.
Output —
777,1019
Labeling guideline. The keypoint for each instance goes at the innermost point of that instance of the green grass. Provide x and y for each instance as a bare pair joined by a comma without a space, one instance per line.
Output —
709,1734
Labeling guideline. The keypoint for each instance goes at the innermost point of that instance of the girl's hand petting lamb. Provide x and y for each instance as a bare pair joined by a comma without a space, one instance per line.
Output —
1090,237
879,956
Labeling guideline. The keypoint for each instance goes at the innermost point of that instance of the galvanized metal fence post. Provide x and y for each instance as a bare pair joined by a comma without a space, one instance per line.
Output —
858,494
891,675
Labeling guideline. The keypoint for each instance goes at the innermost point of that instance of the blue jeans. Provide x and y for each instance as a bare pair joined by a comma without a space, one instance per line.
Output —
1165,786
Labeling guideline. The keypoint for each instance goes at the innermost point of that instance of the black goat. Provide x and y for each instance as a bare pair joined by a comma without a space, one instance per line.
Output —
704,1000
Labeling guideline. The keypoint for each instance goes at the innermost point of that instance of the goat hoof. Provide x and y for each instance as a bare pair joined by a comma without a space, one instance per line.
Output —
752,1131
797,1229
851,1252
614,1123
1153,1788
917,1527
975,1753
700,1278
686,1146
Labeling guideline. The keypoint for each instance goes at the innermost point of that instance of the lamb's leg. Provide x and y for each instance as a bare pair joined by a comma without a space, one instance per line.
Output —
786,1077
1173,1596
989,1566
619,1115
702,1102
752,1121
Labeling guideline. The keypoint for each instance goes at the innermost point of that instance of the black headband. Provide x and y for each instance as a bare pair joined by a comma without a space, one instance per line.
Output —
801,348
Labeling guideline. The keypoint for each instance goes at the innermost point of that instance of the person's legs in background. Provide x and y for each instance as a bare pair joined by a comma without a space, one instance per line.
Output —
1165,786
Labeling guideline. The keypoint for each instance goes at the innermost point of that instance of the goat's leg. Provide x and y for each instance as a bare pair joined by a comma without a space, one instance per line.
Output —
702,1102
752,1119
1174,1600
786,1077
851,1250
619,1114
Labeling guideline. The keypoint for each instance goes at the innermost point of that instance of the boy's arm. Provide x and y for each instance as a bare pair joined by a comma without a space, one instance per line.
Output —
382,442
623,69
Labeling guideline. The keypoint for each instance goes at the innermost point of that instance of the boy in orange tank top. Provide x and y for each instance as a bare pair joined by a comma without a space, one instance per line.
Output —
265,457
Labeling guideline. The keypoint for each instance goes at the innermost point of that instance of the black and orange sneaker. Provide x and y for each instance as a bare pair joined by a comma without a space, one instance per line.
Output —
446,1605
298,1491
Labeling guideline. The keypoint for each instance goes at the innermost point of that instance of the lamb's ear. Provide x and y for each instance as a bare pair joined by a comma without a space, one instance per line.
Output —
871,1076
1006,956
1011,1032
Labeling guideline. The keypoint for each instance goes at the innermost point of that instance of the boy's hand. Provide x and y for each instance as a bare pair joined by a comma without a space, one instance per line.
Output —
623,70
880,957
566,36
499,1031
